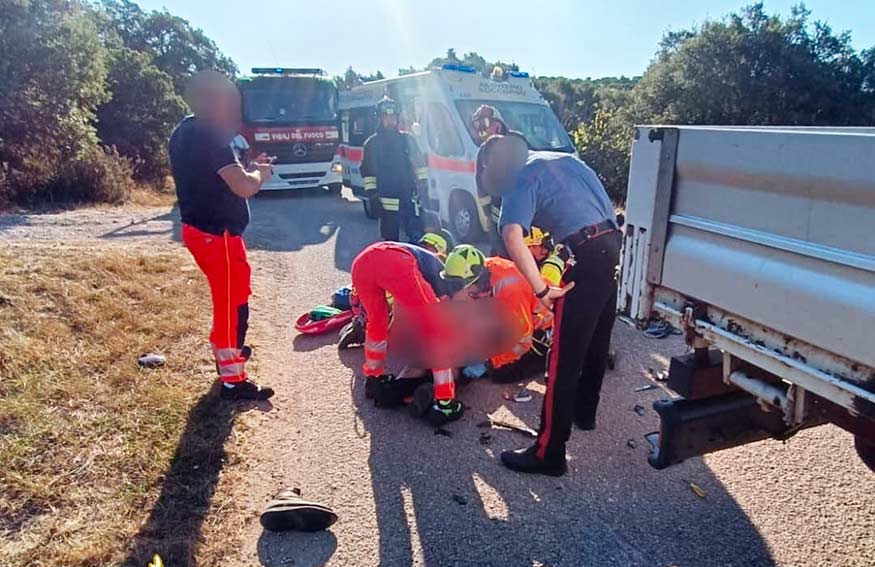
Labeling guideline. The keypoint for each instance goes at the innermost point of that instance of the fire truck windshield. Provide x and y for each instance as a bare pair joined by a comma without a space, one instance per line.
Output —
534,121
288,100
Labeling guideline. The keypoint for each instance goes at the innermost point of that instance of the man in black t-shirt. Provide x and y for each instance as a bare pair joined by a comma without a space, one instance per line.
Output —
212,186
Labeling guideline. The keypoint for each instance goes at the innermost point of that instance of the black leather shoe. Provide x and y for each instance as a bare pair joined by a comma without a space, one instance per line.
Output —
527,461
246,390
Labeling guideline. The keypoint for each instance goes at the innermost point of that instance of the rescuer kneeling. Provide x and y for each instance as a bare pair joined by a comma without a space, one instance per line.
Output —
412,276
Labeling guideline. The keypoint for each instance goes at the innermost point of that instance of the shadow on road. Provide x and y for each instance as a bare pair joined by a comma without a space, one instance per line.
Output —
447,500
308,549
174,525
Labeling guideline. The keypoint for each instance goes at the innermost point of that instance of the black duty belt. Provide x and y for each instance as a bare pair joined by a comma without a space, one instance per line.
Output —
590,232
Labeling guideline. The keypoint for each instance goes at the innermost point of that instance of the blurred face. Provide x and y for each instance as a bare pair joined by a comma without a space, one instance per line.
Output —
390,121
539,252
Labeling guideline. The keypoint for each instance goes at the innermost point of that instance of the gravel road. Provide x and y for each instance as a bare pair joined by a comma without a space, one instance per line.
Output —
406,496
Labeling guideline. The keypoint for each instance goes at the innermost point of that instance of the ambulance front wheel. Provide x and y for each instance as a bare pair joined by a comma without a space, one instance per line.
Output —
464,220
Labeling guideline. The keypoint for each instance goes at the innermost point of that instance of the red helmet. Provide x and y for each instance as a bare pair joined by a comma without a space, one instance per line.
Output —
487,121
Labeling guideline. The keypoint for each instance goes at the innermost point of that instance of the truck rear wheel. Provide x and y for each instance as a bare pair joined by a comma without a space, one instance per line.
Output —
464,219
866,451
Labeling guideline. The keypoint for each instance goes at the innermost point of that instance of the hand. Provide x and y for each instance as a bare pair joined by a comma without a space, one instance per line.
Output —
264,168
263,158
554,293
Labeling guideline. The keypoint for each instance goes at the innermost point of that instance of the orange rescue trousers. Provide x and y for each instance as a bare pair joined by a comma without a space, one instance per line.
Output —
388,268
222,259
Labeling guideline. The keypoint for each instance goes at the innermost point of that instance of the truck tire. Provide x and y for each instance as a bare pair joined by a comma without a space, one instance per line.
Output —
464,219
366,205
866,451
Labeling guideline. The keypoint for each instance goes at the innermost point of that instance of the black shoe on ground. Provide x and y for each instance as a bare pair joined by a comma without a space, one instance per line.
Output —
527,461
585,424
246,352
444,411
246,390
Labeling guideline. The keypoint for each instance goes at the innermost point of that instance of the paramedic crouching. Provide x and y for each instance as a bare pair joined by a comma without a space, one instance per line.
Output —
562,195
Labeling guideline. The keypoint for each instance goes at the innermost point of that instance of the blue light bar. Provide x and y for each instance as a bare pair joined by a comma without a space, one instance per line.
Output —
286,71
519,74
459,68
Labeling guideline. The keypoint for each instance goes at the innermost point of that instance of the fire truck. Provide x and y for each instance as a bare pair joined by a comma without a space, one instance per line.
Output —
436,107
292,114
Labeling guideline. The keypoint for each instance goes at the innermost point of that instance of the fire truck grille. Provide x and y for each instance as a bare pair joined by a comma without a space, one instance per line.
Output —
316,152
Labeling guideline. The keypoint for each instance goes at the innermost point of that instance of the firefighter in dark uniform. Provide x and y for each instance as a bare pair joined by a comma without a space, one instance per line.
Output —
562,195
395,176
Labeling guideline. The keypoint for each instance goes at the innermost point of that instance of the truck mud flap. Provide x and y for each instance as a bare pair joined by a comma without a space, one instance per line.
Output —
690,428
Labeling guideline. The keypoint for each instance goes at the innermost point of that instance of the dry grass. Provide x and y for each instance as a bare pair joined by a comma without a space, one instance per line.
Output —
95,451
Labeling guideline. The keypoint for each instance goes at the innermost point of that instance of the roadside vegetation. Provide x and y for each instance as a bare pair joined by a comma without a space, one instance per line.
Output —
748,68
89,93
90,443
92,90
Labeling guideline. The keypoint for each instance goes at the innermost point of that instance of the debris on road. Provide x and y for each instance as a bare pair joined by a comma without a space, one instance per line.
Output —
646,388
495,423
660,376
612,360
697,490
442,431
151,360
522,395
631,444
639,409
460,500
485,438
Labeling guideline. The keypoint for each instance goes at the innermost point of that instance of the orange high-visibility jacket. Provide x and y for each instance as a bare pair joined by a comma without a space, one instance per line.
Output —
515,294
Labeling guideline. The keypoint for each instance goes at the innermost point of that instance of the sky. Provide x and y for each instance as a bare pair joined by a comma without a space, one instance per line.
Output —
572,38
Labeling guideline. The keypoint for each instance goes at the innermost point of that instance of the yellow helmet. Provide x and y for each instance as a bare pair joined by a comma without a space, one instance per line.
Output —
464,263
535,237
436,241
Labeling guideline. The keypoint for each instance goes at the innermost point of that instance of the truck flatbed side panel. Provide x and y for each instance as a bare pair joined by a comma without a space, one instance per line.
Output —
778,226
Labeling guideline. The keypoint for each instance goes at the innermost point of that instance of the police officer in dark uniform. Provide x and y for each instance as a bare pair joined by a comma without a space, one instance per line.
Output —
562,195
394,175
485,123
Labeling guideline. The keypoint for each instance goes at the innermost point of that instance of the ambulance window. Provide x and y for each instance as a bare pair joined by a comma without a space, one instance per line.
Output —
442,135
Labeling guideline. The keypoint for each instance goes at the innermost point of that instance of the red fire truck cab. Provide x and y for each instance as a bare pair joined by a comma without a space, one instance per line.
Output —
292,114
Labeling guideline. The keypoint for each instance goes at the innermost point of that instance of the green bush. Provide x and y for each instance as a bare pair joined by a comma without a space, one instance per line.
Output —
604,143
100,176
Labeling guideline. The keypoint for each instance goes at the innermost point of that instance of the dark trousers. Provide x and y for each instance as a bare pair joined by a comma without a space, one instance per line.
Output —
581,341
407,217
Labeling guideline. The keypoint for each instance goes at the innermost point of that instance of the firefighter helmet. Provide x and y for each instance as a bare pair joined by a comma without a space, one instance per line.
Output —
465,264
538,237
435,241
487,121
387,107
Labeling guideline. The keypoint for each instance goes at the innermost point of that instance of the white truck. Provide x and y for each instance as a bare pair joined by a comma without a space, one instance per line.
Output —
758,244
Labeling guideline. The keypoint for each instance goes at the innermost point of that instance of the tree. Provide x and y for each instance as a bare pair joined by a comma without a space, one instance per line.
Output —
174,45
752,68
52,79
139,117
351,78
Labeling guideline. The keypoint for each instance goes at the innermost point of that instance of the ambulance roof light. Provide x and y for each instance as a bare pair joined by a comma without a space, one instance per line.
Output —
458,67
519,74
287,71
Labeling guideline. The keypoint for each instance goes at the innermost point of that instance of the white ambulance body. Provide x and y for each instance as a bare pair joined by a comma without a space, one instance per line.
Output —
436,106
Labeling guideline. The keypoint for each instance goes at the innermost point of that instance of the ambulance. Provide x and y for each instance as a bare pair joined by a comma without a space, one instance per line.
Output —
436,107
291,114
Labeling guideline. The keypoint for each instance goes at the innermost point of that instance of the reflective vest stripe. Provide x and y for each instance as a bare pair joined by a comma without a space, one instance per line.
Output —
390,203
422,173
